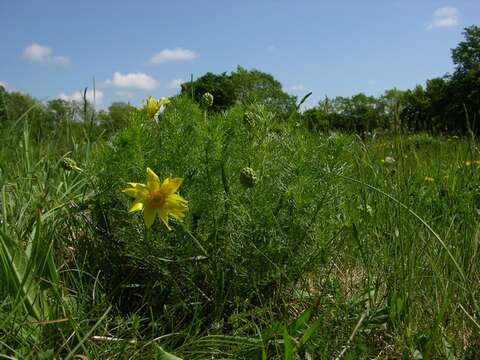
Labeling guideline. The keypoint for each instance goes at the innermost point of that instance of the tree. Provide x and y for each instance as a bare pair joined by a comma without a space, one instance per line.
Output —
464,89
117,115
59,110
242,86
316,119
15,104
253,86
466,56
358,113
220,86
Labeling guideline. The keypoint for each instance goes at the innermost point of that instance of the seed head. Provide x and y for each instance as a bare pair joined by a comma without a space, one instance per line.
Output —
207,100
248,177
69,164
389,160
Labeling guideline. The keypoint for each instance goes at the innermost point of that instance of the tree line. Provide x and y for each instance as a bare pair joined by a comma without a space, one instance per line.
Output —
448,104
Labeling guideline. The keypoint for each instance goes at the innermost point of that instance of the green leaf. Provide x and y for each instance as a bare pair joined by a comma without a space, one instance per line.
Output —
310,331
300,322
287,342
163,355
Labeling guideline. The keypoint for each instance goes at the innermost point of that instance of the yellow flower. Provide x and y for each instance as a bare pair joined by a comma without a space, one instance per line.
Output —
156,198
472,162
152,106
429,179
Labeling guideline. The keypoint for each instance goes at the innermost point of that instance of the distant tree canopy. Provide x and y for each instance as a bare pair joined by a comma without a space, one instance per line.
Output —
450,103
359,113
44,116
466,56
116,117
220,86
446,104
242,86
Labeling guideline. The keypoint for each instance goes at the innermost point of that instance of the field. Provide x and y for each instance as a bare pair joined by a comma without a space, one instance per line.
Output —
296,244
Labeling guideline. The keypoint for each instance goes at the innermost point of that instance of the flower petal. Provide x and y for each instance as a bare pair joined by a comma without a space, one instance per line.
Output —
136,206
178,214
170,186
176,206
136,190
132,192
175,201
163,215
149,216
153,182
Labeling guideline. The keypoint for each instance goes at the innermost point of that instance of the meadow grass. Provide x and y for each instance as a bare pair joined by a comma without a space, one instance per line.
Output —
343,248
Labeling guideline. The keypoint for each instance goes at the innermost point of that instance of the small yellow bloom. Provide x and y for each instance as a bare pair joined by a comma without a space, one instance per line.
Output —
429,179
472,162
153,106
157,198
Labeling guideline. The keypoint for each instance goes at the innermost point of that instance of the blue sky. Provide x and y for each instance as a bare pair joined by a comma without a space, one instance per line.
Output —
137,48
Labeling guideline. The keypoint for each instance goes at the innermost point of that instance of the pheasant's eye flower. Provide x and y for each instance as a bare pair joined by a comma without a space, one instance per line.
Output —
157,198
163,102
152,106
472,162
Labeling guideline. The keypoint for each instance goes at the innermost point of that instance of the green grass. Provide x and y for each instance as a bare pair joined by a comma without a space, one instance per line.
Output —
334,253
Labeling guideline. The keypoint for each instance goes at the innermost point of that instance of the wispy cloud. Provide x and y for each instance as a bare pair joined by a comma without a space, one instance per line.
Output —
78,96
132,81
174,84
171,55
43,54
444,17
298,87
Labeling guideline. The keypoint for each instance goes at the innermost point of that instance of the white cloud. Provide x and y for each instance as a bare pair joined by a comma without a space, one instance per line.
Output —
444,17
169,55
132,81
298,87
78,96
174,84
42,54
61,60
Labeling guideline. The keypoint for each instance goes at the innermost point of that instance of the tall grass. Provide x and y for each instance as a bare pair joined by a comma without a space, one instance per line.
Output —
335,252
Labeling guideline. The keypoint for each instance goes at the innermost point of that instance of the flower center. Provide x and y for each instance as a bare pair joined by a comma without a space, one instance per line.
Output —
156,199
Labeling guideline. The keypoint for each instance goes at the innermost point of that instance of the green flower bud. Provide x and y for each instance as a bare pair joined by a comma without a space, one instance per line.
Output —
69,164
248,178
207,100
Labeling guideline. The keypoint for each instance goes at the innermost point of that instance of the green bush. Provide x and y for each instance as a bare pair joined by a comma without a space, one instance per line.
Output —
238,245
